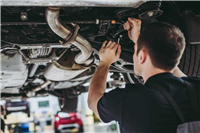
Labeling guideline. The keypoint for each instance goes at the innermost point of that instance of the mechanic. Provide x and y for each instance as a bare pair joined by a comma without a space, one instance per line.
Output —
141,107
2,124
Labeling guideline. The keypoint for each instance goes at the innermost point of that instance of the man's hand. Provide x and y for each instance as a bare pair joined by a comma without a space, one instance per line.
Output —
109,52
133,27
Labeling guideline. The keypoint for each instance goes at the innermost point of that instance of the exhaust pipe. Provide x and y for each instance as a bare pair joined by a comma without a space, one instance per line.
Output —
70,37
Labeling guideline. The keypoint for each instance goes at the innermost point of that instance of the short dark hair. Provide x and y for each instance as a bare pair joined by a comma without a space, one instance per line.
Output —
164,43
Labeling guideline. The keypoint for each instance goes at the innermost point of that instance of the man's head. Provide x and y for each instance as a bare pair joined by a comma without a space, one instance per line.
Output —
2,110
162,43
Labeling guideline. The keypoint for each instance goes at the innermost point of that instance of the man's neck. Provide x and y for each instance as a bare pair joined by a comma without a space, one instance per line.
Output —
149,72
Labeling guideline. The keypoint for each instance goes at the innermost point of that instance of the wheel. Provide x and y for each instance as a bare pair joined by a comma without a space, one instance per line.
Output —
81,130
57,131
190,61
6,113
27,111
5,116
189,24
68,104
28,114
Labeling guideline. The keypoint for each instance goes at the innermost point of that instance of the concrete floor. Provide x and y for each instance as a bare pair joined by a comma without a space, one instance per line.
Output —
96,128
100,128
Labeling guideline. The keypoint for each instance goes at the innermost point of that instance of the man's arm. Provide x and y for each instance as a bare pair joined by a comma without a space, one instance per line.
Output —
108,54
178,73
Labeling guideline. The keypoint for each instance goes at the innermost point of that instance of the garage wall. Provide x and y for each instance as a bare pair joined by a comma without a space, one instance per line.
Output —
53,104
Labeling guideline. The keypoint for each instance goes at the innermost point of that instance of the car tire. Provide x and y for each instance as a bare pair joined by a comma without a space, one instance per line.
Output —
190,61
27,111
188,22
28,114
6,113
81,130
5,116
57,131
68,104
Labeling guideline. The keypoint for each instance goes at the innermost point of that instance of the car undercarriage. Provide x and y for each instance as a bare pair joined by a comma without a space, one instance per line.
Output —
54,49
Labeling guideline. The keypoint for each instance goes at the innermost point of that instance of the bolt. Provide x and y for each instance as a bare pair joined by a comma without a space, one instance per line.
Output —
24,16
120,36
72,24
150,13
61,42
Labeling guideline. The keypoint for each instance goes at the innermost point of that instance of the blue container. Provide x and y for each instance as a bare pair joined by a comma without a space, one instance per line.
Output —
25,127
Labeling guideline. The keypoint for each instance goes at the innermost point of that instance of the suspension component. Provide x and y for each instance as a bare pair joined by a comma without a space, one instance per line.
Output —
39,52
150,10
147,10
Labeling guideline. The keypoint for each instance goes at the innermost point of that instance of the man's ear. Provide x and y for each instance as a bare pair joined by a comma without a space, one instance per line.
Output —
142,56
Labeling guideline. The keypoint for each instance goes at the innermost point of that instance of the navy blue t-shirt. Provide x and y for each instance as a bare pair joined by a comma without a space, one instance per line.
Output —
142,108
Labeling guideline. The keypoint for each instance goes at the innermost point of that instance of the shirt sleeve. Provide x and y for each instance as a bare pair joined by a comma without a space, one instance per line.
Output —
110,105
